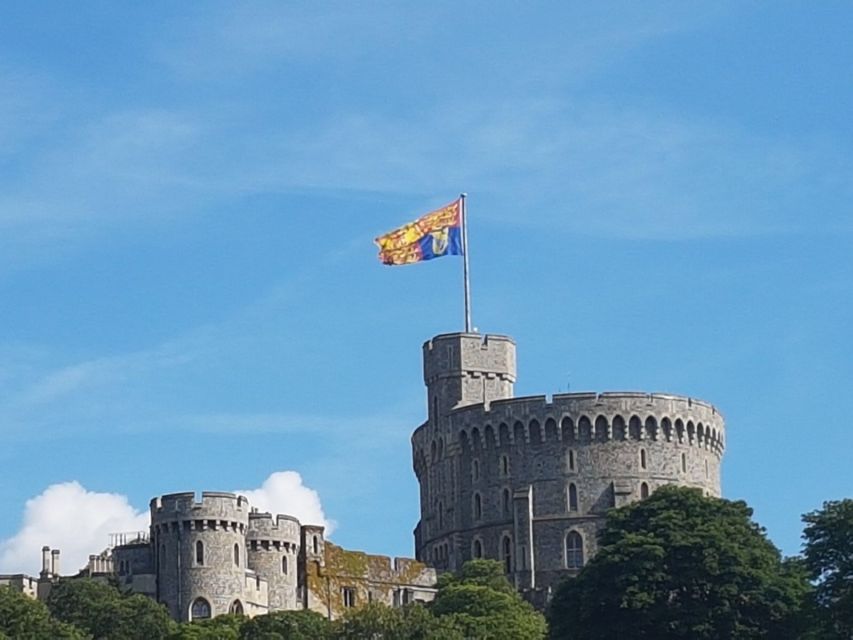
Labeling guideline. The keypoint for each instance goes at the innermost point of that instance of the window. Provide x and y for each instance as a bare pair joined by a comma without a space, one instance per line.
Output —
348,596
199,552
507,554
475,469
571,459
477,549
504,465
316,545
573,497
506,502
284,564
684,463
200,609
706,469
644,491
478,506
642,458
236,554
236,608
574,550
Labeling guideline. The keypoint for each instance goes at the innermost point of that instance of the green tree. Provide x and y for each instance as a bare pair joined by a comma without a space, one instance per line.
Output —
378,621
287,625
101,610
680,565
828,551
225,627
23,618
482,603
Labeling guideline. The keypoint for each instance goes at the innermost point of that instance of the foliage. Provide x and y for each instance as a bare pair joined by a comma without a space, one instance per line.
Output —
287,625
680,565
828,553
225,627
24,618
412,622
104,612
484,606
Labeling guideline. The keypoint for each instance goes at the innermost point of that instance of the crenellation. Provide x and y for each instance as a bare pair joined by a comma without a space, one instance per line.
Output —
564,461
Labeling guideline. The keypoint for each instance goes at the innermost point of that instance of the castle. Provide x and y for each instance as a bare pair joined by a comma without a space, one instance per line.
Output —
527,481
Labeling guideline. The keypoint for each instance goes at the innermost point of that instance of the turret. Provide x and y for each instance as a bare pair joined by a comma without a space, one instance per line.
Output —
467,368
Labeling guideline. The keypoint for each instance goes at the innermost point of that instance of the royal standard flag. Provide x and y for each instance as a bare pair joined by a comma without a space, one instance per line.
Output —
438,233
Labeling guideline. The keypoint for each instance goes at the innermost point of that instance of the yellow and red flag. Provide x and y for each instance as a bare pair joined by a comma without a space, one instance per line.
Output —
436,234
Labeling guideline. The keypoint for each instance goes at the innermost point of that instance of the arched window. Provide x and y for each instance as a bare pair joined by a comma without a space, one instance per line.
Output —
477,549
506,502
236,554
642,458
284,564
478,506
504,465
573,497
507,554
200,609
199,552
644,491
236,608
574,550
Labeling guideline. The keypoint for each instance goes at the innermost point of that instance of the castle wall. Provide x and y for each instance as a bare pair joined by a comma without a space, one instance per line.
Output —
511,479
348,579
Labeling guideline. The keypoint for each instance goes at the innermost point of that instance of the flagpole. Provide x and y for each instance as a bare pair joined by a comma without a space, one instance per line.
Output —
462,197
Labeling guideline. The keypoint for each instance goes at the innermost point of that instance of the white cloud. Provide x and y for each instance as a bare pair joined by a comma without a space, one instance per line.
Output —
283,492
68,517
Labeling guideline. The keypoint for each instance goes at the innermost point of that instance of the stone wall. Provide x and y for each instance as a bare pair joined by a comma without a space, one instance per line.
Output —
511,479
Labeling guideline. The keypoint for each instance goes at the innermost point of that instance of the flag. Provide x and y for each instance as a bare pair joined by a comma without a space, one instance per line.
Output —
436,234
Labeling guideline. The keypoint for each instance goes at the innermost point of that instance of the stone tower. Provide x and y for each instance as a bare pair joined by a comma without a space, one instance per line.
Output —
528,481
467,368
200,553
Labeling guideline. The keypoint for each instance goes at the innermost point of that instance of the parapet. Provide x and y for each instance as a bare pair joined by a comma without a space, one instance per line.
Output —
265,526
453,353
213,505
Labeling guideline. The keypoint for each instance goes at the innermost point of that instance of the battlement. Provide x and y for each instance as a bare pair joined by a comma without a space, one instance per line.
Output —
573,417
213,504
269,527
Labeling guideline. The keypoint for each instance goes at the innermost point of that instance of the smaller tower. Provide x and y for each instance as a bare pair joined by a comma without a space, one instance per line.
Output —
467,368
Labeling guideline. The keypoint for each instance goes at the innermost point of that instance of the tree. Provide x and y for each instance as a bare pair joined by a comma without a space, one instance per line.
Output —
225,627
482,603
104,612
828,551
24,618
287,625
378,621
680,565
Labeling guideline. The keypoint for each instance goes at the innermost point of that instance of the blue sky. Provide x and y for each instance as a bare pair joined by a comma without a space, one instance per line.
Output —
659,196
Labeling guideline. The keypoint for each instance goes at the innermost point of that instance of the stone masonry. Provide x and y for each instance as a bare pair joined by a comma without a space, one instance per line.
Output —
528,481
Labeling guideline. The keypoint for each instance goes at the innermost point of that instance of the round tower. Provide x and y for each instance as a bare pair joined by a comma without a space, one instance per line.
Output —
273,553
528,481
200,553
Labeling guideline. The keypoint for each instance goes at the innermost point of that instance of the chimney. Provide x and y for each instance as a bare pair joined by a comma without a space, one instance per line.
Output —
54,562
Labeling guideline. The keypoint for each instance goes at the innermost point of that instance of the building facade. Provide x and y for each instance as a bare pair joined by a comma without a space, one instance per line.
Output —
215,555
528,481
